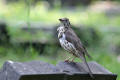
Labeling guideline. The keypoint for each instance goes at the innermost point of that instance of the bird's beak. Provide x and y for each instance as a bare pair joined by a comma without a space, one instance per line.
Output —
60,20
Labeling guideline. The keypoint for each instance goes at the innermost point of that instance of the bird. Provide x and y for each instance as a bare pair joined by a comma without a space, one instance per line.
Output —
72,43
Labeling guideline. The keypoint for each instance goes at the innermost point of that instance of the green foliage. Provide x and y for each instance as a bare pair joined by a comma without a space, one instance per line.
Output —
89,36
19,53
29,35
40,12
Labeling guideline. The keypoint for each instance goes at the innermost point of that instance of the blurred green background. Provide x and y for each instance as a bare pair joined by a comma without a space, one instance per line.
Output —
28,30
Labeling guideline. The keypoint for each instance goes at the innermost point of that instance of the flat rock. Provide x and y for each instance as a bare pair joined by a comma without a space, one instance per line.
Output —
75,67
38,70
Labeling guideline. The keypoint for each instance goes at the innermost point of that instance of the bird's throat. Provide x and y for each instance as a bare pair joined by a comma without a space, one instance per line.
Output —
62,37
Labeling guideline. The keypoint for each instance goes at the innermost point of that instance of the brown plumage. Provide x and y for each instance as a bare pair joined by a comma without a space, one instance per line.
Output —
71,42
73,38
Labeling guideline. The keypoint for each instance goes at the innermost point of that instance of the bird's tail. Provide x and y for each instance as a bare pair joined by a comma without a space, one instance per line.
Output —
85,61
88,55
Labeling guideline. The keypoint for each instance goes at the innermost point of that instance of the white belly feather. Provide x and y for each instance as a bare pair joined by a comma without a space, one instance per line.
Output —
67,45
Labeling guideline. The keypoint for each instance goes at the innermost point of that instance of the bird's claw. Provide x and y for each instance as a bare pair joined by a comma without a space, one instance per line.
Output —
72,61
67,60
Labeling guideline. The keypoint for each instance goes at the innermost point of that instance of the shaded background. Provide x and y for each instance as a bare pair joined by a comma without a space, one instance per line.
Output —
28,30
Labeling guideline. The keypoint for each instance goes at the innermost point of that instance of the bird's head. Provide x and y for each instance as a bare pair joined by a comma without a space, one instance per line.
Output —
65,22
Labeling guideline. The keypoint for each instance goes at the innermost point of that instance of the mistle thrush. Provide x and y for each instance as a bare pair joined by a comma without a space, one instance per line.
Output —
71,42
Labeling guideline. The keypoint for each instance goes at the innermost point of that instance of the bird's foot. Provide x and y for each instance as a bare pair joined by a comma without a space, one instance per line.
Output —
66,60
72,60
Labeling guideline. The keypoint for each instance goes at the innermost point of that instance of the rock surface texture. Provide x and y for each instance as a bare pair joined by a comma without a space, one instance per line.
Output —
38,70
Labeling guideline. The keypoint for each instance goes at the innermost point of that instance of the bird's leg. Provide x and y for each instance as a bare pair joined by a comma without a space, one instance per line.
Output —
67,60
73,58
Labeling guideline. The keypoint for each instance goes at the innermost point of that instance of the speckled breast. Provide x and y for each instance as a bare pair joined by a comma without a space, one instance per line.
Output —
67,45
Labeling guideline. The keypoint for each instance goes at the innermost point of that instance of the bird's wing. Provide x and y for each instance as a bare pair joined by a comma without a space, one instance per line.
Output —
73,38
